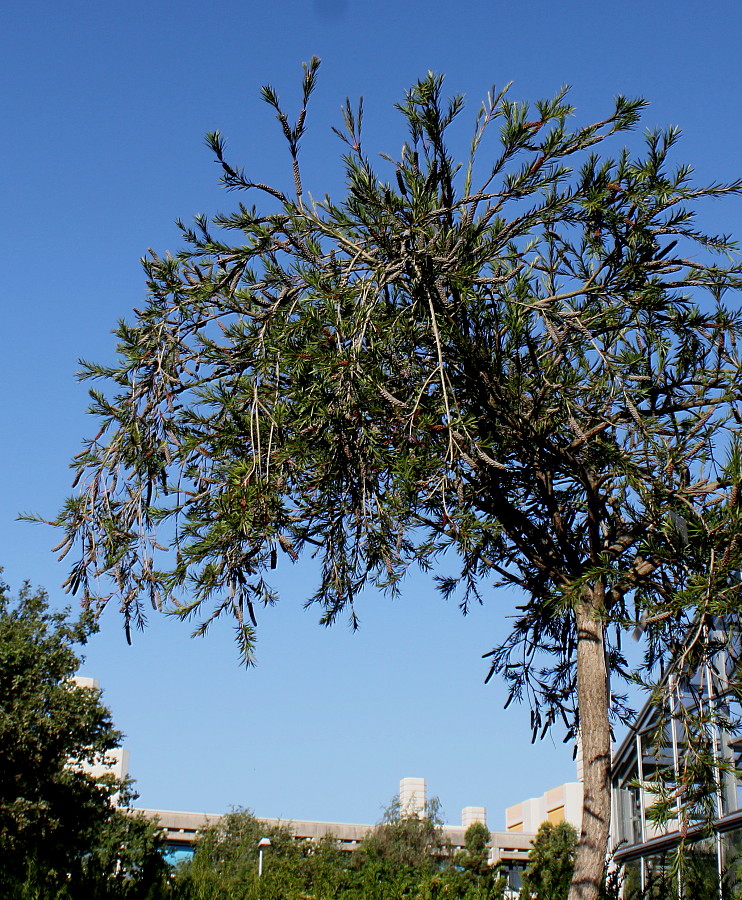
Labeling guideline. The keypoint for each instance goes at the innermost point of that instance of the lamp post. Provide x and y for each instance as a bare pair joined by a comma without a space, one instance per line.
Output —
262,844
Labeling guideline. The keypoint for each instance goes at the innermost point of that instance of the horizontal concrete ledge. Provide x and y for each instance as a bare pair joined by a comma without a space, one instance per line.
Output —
183,828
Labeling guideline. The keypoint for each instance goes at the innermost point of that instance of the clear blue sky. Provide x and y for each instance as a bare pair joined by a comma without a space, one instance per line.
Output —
104,107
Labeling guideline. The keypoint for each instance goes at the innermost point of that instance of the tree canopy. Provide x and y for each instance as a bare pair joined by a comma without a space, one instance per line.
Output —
523,360
60,834
406,839
550,863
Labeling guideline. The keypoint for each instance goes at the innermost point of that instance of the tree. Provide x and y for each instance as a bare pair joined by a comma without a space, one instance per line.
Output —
550,863
124,861
409,840
475,857
487,880
59,831
522,363
407,855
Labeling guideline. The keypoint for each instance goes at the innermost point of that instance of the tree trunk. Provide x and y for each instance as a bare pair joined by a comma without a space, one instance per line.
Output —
595,733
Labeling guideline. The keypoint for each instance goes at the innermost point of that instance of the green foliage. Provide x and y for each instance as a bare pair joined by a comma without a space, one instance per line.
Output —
475,857
551,863
60,835
225,864
48,808
404,851
408,840
538,374
481,878
125,861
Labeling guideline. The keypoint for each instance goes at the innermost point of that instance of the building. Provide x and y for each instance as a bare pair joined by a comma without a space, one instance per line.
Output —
510,849
656,749
560,804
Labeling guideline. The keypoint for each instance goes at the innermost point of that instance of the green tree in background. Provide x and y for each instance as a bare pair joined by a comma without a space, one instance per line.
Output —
550,863
225,862
485,880
474,858
60,835
518,361
405,851
408,839
125,861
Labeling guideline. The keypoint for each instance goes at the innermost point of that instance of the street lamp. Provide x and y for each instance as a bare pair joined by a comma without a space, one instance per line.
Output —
262,844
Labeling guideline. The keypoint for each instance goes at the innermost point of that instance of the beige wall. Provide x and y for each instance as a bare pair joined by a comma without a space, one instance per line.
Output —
183,827
560,804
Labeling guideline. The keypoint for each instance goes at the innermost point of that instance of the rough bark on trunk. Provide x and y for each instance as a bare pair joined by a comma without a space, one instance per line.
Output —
592,698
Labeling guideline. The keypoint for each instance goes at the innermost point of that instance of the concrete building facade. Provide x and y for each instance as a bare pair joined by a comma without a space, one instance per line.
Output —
182,830
413,796
560,804
115,762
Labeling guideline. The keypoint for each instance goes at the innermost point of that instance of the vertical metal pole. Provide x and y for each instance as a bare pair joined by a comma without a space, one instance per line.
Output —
717,777
642,811
673,683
